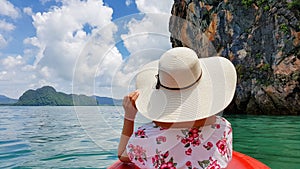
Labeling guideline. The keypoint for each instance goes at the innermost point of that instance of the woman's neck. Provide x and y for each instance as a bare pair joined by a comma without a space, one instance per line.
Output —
190,124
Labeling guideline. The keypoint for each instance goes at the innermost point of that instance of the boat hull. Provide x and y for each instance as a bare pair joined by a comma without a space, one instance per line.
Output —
239,161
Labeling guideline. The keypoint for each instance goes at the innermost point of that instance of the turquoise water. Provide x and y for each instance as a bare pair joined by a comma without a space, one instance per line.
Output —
274,140
58,137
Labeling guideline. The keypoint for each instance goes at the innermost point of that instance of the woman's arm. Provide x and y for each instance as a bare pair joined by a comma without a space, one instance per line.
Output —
128,125
126,133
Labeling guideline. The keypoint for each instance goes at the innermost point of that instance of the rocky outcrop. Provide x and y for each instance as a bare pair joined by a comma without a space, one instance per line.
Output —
261,38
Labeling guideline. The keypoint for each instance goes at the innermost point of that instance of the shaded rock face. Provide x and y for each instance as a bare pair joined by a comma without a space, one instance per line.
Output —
261,38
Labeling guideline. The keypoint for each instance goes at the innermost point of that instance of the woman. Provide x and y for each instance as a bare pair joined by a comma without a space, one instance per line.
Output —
181,94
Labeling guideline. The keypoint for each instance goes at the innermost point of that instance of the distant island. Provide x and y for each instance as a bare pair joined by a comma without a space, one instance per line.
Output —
6,100
48,96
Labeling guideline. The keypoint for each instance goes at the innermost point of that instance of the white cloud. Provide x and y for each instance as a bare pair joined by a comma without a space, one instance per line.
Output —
74,42
14,78
60,34
96,66
8,9
28,11
154,6
128,2
3,75
44,1
146,40
40,83
11,61
62,39
5,26
3,41
150,32
45,72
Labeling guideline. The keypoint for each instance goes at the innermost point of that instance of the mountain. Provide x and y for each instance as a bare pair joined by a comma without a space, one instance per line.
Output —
7,100
261,38
48,96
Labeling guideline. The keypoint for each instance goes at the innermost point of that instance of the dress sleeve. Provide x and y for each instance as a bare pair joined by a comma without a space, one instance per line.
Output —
138,145
223,152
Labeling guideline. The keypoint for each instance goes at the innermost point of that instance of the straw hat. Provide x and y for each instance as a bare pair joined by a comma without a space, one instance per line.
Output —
179,87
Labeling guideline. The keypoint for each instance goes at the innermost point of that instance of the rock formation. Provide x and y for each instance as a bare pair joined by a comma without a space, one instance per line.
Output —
261,38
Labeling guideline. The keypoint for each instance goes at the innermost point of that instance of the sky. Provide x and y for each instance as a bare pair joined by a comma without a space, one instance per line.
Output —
92,47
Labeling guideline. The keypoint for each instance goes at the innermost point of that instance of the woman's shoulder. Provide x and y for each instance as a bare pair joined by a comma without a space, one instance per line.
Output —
224,124
222,121
218,128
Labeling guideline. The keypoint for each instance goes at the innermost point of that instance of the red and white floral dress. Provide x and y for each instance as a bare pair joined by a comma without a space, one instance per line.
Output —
209,147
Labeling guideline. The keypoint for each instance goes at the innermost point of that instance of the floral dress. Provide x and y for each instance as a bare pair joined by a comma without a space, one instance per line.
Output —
208,147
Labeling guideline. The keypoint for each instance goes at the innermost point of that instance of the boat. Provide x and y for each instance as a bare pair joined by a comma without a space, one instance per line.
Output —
239,161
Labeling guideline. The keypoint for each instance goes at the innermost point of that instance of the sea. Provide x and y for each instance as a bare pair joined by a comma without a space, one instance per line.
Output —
87,137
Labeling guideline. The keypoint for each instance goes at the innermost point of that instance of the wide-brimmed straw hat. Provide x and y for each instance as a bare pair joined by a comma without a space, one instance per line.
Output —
179,87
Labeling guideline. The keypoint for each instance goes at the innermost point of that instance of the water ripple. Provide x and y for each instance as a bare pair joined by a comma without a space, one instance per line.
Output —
52,137
275,140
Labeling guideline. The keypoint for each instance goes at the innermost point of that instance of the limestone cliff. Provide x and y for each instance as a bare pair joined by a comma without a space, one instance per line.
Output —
261,38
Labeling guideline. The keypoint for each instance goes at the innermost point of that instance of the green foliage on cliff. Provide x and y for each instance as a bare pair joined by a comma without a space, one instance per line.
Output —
294,4
260,3
47,96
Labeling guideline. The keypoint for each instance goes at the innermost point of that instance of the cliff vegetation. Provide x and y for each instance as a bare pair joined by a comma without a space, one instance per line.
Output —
261,38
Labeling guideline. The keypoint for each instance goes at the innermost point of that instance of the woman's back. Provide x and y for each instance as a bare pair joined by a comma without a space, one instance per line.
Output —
210,146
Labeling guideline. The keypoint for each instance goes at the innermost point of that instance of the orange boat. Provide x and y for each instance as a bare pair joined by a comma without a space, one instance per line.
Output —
239,161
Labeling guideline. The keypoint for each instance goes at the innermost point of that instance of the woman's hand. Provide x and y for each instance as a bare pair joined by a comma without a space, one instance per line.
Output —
129,105
130,112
